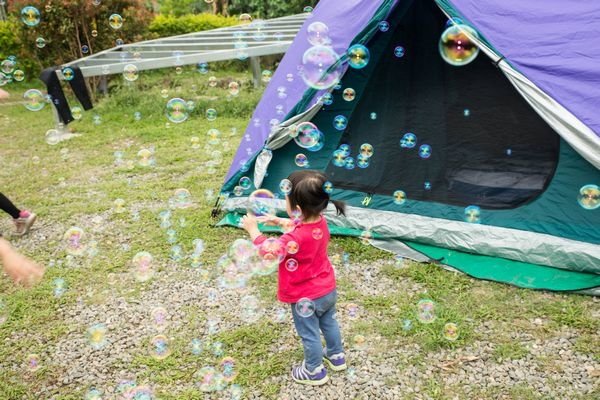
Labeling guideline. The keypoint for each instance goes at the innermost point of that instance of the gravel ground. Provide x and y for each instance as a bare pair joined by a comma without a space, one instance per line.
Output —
381,369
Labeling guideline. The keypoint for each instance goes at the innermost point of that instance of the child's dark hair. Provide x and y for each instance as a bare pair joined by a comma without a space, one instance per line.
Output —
308,193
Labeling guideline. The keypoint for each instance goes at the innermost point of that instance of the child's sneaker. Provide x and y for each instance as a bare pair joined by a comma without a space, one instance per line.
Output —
336,362
315,378
24,222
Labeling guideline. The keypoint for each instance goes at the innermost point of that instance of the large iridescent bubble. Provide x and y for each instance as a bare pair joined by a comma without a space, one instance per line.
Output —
177,110
307,135
456,47
262,202
320,68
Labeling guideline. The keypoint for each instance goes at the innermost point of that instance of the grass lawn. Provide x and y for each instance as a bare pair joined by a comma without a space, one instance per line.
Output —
76,183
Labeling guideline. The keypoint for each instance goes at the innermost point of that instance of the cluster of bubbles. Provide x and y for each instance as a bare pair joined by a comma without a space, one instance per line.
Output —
9,72
342,157
426,314
409,141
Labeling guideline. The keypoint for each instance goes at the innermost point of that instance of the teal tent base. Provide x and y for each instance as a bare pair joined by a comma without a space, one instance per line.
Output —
496,269
516,273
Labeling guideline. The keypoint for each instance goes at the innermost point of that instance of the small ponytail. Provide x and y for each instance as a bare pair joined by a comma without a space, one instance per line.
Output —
340,207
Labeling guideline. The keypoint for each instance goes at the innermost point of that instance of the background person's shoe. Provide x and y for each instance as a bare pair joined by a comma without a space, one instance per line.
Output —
314,378
24,222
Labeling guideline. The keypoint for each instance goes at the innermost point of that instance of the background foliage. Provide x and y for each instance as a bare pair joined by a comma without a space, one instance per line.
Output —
168,25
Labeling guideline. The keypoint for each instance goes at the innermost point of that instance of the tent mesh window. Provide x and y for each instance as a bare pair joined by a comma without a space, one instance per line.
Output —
488,146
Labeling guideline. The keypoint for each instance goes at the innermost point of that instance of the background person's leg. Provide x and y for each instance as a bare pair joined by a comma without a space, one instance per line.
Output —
8,207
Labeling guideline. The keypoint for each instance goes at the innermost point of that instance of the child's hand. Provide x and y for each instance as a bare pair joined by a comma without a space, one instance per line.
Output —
249,222
268,220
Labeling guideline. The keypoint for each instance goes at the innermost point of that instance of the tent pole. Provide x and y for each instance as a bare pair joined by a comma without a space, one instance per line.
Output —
256,72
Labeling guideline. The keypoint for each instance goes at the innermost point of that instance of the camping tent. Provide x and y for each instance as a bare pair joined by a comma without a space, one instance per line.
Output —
464,132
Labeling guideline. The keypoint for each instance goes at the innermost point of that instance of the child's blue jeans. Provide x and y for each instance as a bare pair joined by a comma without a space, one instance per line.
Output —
308,329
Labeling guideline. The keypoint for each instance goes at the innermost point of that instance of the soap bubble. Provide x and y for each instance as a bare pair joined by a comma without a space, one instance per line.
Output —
159,319
245,18
245,182
60,287
399,51
366,150
340,122
77,113
408,141
96,335
250,309
266,76
234,88
318,34
307,135
456,47
426,311
85,49
292,247
32,362
301,160
130,72
362,161
176,110
119,206
262,202
209,380
34,100
93,394
68,73
399,197
142,266
305,307
317,233
285,186
115,21
339,158
145,157
228,367
159,347
358,56
211,114
320,67
291,264
451,331
349,94
384,26
30,16
425,151
196,346
349,163
272,249
212,81
18,75
8,66
473,214
40,42
327,99
74,242
589,197
181,199
214,136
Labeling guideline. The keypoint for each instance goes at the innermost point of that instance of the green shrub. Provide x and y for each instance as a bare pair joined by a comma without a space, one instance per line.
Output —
169,25
10,45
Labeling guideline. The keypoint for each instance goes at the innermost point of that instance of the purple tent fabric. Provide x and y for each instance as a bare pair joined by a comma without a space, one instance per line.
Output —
345,20
554,43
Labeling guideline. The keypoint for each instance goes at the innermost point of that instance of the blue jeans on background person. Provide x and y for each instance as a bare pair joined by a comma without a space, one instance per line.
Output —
308,329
